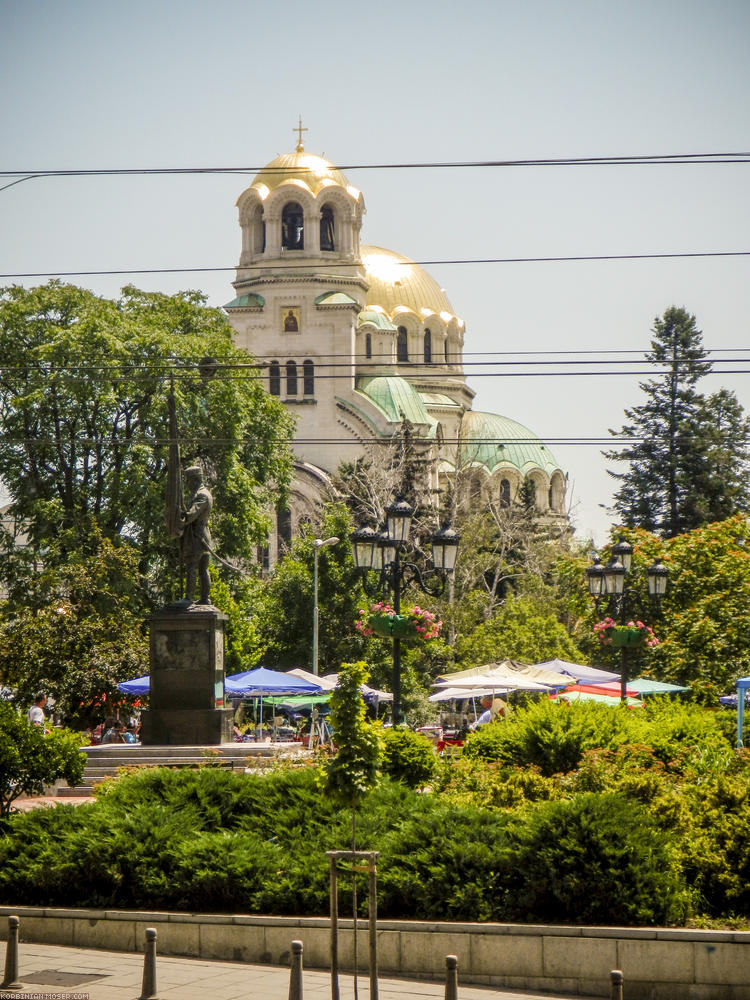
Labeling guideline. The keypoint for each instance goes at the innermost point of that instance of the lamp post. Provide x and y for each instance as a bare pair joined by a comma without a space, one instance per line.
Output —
318,544
380,552
609,581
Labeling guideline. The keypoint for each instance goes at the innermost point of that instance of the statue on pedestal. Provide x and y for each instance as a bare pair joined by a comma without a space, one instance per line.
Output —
189,522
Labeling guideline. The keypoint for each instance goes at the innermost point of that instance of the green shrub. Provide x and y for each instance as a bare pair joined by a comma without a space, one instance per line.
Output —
551,736
717,844
595,859
490,785
30,759
408,757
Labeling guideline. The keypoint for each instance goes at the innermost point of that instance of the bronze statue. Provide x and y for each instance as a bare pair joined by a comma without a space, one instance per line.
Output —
195,541
188,522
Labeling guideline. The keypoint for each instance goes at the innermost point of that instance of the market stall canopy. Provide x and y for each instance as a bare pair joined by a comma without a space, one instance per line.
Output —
304,675
138,686
644,686
513,669
495,681
370,694
448,694
576,695
609,690
579,671
264,683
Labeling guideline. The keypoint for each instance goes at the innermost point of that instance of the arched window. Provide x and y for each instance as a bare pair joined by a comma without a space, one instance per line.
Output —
291,378
274,378
428,346
446,350
283,529
402,345
505,492
368,345
308,378
293,227
327,229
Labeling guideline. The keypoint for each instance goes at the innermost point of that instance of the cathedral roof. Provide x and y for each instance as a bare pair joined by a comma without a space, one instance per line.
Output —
397,399
492,441
397,284
303,168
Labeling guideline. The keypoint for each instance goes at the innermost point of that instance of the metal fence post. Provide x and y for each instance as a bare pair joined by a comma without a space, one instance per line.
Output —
295,976
148,989
616,981
451,977
10,979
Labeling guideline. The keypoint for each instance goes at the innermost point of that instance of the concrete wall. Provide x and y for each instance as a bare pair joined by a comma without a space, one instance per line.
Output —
658,964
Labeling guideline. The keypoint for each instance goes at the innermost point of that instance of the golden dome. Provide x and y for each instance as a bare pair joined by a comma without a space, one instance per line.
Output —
398,284
312,171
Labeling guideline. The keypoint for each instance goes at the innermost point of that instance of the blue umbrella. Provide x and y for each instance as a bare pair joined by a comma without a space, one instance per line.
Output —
141,685
265,683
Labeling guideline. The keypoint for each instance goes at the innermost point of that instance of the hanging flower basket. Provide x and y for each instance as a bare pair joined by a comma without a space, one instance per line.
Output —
624,636
391,625
633,634
413,624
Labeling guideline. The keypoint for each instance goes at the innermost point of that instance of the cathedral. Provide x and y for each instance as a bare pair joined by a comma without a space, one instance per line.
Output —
356,340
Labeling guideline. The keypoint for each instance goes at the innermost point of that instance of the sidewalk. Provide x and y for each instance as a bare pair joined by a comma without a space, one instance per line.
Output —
51,971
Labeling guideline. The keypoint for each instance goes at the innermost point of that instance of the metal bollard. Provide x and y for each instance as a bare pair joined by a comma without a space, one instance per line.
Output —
10,979
148,989
616,980
451,977
295,977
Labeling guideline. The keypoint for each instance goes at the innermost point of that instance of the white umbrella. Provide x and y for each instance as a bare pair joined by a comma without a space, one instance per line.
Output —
495,682
448,694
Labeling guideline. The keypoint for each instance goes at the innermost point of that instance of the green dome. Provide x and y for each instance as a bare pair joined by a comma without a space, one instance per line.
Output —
377,319
396,398
492,441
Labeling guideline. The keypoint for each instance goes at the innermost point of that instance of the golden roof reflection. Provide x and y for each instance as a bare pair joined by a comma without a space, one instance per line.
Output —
302,168
399,285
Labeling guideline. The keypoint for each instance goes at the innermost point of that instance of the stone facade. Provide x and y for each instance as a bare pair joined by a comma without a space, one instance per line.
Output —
354,339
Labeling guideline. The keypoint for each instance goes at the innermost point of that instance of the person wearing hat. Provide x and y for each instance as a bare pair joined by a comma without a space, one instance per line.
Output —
196,537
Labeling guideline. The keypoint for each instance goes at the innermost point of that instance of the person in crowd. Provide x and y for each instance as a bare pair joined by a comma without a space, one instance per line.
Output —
36,712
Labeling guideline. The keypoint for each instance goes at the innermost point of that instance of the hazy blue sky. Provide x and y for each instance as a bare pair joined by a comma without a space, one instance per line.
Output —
186,84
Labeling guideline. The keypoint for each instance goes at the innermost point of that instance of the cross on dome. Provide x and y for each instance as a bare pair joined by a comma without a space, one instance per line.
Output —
299,130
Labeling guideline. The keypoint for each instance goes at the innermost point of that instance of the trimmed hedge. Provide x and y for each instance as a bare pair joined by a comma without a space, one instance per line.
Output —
211,840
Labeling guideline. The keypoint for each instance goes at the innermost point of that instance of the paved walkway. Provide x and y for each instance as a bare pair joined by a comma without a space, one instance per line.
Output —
52,971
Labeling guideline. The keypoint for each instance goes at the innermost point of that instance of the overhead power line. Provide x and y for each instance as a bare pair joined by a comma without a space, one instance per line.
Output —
648,159
421,263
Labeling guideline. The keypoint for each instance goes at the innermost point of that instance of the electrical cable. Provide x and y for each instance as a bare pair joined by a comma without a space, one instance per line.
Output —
580,258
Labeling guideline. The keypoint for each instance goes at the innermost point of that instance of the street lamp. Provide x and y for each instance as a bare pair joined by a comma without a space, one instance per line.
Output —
318,544
609,581
380,552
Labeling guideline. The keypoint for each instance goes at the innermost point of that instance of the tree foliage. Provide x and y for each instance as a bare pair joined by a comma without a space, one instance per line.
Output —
79,627
30,759
688,457
354,768
83,418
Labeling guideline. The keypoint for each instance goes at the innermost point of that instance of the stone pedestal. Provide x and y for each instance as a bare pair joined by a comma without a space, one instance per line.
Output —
186,705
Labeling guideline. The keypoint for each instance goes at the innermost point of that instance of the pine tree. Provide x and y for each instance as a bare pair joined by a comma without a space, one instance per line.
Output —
688,455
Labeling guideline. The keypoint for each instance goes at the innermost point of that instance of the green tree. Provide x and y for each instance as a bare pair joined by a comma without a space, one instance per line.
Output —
354,768
83,421
79,628
283,612
703,631
524,629
31,759
688,456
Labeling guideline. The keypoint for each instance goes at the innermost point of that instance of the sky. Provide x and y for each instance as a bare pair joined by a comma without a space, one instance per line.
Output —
101,85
